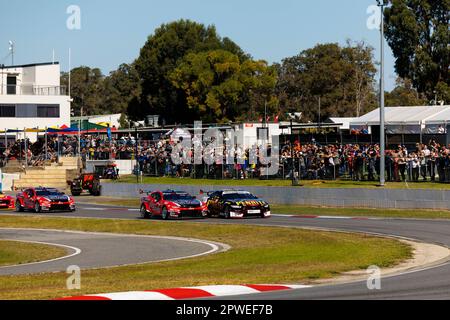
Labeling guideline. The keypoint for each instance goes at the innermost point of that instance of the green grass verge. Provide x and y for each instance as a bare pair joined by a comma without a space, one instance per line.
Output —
258,255
361,212
307,210
284,183
15,253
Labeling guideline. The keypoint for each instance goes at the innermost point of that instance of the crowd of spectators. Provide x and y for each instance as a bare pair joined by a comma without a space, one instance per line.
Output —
430,162
362,162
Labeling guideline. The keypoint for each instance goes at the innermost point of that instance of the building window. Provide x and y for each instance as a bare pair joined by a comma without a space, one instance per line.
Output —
11,83
48,111
7,111
263,134
26,111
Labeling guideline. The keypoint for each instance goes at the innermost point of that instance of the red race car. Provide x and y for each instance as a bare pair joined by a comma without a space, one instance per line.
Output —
43,199
172,204
6,202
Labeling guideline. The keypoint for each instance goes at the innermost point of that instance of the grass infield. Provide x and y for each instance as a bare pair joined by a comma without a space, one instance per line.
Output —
15,253
258,255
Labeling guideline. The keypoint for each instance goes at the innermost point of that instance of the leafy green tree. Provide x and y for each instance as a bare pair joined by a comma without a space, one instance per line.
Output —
338,80
418,34
159,57
260,95
404,95
86,90
217,84
120,87
124,121
361,71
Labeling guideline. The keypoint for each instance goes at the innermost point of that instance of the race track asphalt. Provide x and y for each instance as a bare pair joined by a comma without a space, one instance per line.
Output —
431,283
96,250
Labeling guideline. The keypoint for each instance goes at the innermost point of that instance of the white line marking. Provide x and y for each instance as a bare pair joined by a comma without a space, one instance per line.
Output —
77,252
134,295
223,291
215,247
334,217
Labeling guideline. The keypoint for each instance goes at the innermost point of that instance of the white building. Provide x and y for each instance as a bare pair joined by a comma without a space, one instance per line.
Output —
112,119
31,96
258,133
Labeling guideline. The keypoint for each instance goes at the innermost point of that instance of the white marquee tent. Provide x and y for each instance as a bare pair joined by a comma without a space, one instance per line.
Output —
404,120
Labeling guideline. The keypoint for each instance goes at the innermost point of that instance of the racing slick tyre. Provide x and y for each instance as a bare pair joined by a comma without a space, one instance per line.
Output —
227,214
96,190
144,213
37,207
75,193
99,191
165,214
19,207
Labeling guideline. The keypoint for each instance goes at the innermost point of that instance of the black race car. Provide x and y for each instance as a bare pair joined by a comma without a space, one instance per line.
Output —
236,204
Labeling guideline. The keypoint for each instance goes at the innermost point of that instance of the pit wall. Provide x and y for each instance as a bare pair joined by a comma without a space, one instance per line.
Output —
328,197
125,167
7,181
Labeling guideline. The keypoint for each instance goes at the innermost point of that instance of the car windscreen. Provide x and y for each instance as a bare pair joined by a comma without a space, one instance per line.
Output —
48,193
239,196
177,197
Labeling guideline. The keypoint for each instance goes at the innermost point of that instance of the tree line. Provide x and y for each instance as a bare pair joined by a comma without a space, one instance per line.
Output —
186,71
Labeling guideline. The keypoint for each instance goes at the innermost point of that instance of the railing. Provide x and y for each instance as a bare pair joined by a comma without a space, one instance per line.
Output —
306,167
312,168
33,90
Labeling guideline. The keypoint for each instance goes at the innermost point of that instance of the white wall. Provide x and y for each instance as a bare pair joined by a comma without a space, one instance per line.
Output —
113,119
47,75
125,166
251,132
7,181
21,123
38,75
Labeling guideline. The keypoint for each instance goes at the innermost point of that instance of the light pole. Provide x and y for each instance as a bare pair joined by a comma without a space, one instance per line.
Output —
381,4
295,180
3,67
11,48
292,156
320,112
136,157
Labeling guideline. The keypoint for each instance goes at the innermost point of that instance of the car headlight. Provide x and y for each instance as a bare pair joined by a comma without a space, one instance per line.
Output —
236,207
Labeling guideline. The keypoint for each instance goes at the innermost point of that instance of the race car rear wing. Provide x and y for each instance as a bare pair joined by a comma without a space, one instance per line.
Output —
208,193
147,192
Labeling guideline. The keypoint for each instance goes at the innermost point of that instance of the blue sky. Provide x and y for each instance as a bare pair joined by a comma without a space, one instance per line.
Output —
113,31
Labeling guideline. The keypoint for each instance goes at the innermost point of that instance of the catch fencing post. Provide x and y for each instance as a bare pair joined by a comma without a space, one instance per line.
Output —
26,147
